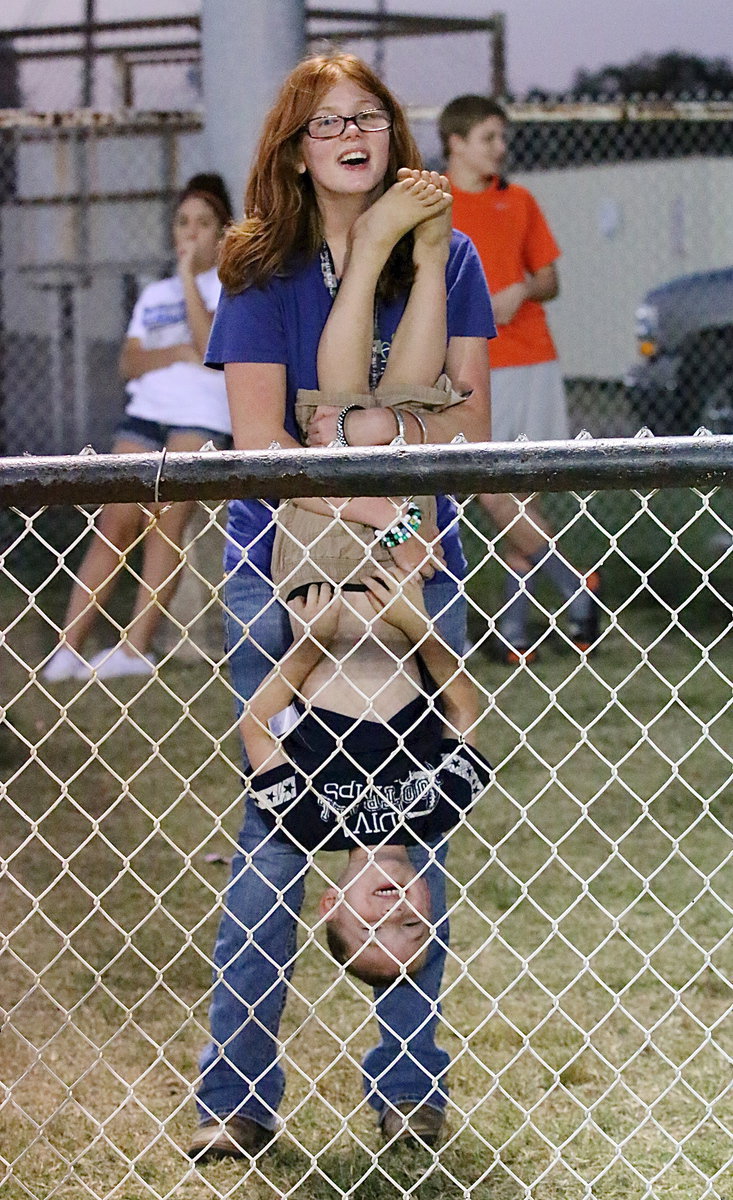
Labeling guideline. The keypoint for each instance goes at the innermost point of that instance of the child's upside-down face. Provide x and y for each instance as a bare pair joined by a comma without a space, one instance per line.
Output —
382,911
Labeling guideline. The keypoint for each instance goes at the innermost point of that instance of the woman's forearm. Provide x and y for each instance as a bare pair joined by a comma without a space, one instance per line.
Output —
198,316
136,361
363,510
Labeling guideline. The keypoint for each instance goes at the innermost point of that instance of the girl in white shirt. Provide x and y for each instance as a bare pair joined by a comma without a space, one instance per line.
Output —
174,402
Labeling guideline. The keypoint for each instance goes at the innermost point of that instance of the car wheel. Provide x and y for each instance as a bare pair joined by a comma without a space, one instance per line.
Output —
717,409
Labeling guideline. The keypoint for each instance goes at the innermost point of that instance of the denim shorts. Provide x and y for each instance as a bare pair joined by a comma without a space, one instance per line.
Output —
154,436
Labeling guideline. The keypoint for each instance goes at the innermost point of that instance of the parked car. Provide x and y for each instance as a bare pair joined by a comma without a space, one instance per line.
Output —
684,375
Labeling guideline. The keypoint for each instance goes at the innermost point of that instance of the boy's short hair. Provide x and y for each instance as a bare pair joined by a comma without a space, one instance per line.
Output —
342,952
461,114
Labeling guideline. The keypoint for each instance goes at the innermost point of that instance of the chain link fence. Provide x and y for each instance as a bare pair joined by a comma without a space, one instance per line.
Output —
587,992
587,1001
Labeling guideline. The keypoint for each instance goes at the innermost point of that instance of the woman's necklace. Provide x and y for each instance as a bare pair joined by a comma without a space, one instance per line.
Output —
379,348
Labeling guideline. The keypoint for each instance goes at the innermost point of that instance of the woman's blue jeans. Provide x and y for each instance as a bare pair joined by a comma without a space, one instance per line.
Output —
254,956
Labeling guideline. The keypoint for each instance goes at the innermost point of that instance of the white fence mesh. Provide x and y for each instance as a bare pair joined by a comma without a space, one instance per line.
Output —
587,1001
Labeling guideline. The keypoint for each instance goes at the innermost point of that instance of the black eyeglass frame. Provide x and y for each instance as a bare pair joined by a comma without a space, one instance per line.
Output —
347,121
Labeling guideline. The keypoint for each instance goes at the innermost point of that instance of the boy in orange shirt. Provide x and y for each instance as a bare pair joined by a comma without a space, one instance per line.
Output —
518,252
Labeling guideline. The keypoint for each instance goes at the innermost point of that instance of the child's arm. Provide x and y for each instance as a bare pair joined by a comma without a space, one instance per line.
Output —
399,601
314,618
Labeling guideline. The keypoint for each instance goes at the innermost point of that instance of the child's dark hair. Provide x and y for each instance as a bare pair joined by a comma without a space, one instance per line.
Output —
463,113
209,186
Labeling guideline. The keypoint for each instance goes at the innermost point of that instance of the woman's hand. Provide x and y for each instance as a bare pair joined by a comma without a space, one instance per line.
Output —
186,256
368,427
413,555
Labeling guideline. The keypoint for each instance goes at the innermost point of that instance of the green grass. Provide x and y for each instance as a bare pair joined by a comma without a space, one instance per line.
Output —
587,1004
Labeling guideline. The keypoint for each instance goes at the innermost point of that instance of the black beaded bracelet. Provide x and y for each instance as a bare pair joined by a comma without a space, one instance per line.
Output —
341,423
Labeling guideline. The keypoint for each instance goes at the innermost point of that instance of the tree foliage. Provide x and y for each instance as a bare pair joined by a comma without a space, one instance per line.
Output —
674,75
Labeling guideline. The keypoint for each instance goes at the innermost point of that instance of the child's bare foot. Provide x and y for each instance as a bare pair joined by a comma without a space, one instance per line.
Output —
414,198
435,232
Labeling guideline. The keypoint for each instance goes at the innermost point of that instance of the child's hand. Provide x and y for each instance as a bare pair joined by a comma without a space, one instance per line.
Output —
397,598
316,615
507,302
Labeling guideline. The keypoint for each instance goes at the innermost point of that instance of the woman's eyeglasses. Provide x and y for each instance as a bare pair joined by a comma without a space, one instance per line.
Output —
372,120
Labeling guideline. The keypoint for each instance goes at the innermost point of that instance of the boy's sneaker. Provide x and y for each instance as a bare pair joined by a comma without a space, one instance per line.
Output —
235,1137
65,663
113,663
585,630
513,655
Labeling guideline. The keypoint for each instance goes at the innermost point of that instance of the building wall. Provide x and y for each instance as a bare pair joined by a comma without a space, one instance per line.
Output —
623,229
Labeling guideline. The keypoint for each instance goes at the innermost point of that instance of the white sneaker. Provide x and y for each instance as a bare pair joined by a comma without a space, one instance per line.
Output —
115,662
65,663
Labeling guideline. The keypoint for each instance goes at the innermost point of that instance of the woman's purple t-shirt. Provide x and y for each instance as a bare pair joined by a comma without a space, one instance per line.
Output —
282,323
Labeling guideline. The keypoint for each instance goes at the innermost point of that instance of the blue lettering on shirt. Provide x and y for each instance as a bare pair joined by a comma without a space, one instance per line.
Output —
158,315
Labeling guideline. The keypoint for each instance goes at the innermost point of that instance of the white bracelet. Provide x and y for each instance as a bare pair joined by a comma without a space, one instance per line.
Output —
421,424
399,437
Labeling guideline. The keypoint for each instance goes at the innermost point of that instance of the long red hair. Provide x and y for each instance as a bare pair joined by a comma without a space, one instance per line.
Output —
282,224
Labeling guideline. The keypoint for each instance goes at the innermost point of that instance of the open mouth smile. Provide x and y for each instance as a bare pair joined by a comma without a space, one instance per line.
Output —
354,158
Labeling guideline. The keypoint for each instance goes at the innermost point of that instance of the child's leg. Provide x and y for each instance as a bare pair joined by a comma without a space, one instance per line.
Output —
417,353
345,348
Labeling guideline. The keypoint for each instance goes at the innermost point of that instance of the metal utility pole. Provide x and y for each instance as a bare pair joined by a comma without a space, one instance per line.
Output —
380,46
498,55
87,74
246,52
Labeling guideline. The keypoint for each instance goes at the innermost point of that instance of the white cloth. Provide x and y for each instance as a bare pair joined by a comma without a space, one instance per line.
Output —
529,400
183,394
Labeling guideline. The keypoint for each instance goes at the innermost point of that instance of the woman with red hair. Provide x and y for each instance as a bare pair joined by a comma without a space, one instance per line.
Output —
331,208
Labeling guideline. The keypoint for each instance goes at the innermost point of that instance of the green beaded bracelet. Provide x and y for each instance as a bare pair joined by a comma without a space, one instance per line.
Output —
403,528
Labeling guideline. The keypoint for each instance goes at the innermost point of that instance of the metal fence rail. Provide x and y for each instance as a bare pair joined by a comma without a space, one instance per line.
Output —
587,1003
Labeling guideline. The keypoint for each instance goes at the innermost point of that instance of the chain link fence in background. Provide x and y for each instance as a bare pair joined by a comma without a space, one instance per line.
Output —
588,997
636,199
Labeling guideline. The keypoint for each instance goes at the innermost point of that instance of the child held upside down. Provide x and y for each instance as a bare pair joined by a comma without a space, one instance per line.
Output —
370,764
